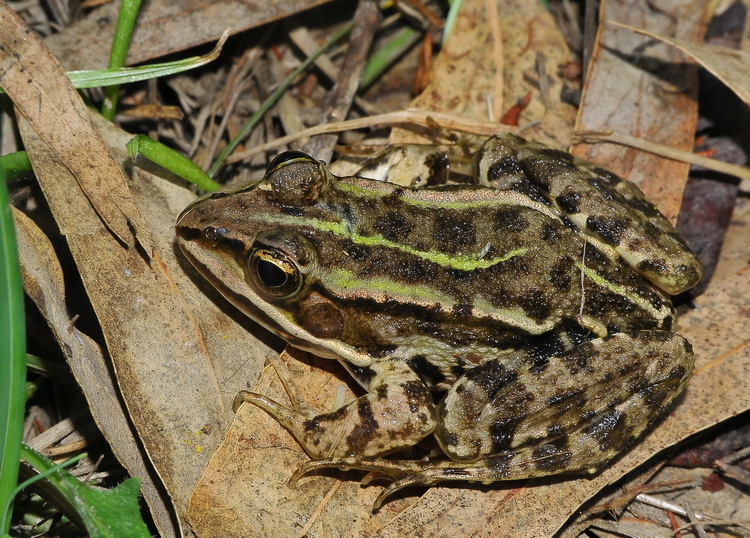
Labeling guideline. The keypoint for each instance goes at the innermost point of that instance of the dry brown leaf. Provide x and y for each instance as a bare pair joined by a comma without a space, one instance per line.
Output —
43,283
620,94
42,93
165,27
731,66
156,322
498,52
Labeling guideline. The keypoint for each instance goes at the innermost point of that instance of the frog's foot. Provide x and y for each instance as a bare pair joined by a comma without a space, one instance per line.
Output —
403,473
406,473
397,412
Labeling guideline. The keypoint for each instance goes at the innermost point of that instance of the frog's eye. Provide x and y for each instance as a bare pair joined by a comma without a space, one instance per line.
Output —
287,157
273,274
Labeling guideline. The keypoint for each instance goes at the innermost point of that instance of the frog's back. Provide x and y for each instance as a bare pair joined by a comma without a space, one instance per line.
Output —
486,261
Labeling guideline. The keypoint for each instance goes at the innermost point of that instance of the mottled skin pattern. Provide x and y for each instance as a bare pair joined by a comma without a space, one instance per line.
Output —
525,321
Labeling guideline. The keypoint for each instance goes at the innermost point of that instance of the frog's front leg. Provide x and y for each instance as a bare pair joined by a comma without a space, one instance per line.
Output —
397,412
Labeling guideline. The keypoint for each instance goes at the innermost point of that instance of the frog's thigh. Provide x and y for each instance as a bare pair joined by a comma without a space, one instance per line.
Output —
572,413
397,412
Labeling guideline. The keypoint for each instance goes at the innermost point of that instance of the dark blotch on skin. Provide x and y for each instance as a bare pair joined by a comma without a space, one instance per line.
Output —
504,167
363,432
292,210
531,191
656,266
607,192
535,304
612,328
450,439
315,424
539,364
502,433
499,463
644,206
610,177
419,398
362,374
561,274
217,195
607,430
453,232
355,252
462,310
458,369
559,157
652,231
569,202
565,399
491,377
609,229
552,231
547,164
554,431
393,226
394,198
569,224
426,369
553,456
542,351
413,270
510,219
579,361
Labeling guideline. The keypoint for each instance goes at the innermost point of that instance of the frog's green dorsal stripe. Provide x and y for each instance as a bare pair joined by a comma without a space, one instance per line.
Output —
460,262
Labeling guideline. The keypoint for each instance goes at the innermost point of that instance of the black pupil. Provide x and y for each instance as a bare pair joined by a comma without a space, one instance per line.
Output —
271,274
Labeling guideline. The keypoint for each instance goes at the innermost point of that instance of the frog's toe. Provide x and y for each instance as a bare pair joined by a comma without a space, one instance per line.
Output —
400,474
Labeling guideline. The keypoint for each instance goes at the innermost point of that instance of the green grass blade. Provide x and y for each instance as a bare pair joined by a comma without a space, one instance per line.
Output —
384,57
95,78
121,43
12,342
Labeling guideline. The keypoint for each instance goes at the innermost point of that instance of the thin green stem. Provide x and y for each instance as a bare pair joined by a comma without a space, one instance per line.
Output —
120,45
271,100
171,160
383,58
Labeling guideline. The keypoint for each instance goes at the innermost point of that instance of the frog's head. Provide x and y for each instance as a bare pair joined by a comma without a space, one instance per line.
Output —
261,243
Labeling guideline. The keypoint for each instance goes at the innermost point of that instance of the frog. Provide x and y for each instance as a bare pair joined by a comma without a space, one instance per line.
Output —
524,320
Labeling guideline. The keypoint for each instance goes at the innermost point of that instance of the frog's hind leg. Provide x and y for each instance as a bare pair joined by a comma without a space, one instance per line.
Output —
600,204
569,413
